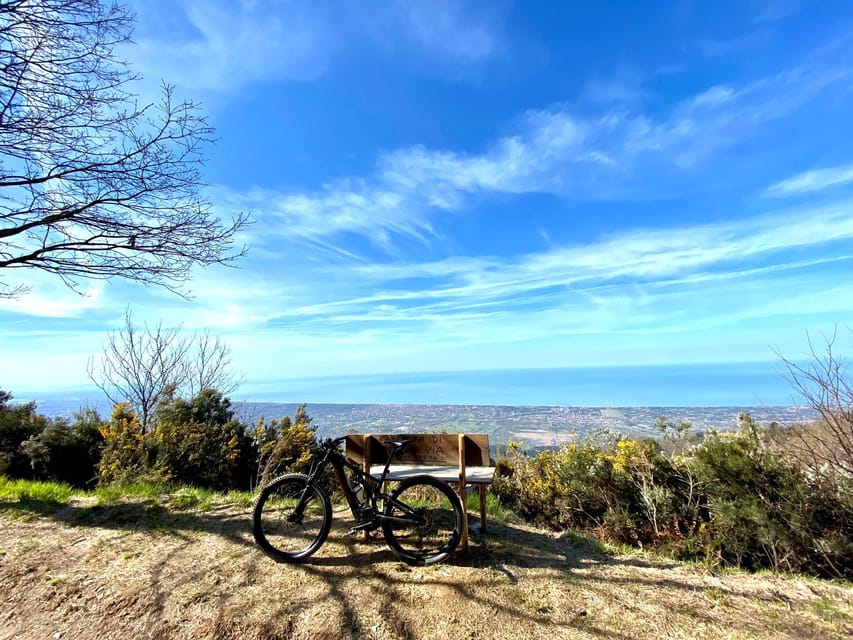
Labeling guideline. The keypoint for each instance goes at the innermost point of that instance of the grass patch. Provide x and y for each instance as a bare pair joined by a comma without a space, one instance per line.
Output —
178,498
185,498
145,515
114,493
831,611
148,504
495,510
41,497
241,499
718,595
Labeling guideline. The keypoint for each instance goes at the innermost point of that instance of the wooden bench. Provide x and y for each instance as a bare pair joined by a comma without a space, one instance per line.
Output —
461,458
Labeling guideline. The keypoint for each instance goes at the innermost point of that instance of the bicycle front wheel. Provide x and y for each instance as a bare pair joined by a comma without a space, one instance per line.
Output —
423,520
281,528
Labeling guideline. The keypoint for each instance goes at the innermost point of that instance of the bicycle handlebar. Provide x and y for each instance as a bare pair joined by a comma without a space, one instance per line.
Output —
332,443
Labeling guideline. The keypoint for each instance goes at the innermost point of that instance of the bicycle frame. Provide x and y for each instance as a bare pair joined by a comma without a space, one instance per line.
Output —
421,518
367,514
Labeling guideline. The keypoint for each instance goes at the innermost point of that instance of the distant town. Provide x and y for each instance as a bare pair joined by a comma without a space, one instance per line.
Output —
543,426
535,426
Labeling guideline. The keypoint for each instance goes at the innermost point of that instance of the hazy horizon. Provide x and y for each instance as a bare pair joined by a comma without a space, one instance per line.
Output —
704,385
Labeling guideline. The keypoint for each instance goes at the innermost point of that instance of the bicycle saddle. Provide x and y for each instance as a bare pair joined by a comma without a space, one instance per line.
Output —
399,446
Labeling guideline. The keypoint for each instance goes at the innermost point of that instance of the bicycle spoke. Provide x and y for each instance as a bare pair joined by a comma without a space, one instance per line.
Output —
423,521
282,529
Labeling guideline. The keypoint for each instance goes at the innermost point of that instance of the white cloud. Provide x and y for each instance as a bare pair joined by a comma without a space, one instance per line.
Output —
617,155
776,10
228,45
601,324
346,207
222,46
635,270
725,117
559,305
623,87
449,29
811,181
737,44
50,298
636,255
639,264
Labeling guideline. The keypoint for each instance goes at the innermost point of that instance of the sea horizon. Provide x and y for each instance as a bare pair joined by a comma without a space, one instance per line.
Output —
747,384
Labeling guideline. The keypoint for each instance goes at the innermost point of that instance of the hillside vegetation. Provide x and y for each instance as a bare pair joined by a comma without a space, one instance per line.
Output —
739,498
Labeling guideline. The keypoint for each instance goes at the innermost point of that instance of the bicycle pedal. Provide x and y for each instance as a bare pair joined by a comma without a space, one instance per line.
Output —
367,525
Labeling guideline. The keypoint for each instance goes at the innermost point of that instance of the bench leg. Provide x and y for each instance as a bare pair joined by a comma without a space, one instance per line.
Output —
482,488
463,543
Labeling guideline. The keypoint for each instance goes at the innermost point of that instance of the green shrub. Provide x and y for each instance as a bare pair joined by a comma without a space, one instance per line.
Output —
17,425
765,512
614,489
197,441
195,453
285,445
731,500
67,452
565,488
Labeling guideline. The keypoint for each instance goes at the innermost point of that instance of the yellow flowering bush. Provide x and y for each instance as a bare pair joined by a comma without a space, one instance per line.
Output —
729,499
285,446
125,456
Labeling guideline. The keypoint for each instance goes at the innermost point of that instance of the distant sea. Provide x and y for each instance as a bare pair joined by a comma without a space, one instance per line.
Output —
738,384
542,406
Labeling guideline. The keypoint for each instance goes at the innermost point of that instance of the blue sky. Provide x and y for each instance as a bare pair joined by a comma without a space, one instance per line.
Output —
452,185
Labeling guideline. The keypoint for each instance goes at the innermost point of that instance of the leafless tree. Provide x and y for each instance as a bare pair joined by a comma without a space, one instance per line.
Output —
825,383
209,366
142,363
93,184
139,364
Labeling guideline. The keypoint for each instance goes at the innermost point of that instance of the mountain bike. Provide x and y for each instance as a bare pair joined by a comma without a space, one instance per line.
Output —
421,518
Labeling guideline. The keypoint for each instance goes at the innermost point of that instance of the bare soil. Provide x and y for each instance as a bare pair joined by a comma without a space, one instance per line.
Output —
141,570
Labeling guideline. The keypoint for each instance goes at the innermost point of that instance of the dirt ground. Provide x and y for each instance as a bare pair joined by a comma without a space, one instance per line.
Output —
140,570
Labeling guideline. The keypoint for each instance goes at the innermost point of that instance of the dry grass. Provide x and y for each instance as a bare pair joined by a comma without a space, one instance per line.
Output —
144,570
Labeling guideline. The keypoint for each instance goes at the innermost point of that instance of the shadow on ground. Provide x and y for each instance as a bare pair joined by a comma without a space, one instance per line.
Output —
514,577
505,544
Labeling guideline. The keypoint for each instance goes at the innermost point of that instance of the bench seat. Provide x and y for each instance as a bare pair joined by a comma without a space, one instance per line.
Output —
457,458
473,475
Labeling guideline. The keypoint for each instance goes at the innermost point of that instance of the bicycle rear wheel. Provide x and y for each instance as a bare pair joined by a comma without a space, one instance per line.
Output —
423,520
283,533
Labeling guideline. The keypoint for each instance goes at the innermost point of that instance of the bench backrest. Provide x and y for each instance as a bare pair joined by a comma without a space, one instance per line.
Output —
462,449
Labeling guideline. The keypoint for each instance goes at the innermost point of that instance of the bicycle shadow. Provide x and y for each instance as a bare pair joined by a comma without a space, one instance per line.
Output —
504,544
508,555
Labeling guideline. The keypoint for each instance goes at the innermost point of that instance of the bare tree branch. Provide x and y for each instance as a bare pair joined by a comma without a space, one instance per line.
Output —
139,365
209,366
143,364
93,185
824,382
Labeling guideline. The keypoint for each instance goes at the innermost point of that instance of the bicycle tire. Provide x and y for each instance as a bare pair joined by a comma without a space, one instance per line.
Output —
441,531
282,538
